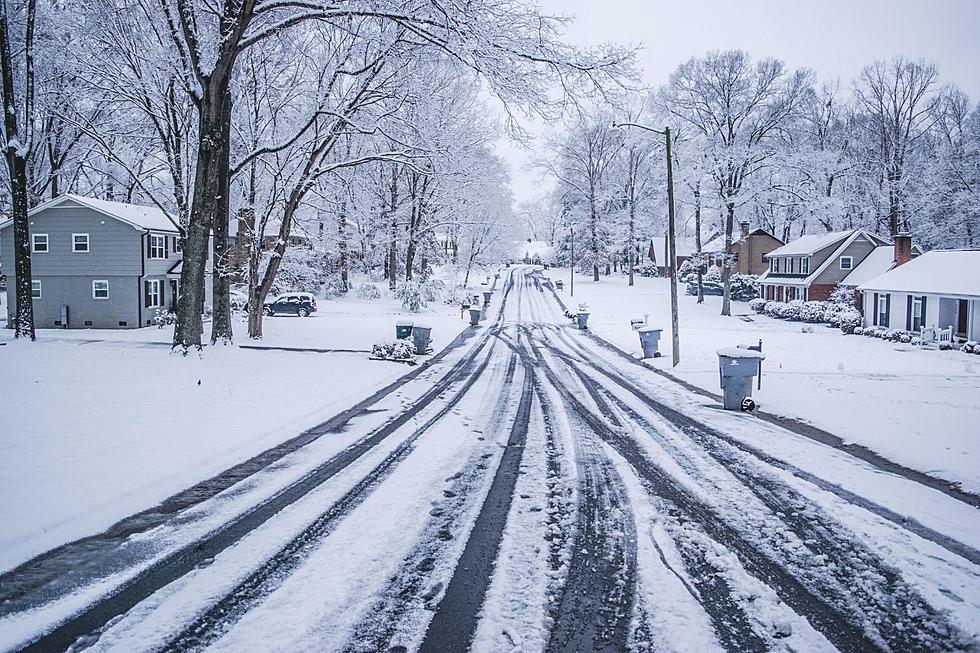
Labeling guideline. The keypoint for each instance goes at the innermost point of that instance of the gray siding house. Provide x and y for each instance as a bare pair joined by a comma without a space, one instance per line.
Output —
97,264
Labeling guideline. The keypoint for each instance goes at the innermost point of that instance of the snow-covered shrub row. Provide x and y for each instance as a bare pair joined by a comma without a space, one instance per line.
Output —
399,350
164,318
971,347
814,312
367,291
758,304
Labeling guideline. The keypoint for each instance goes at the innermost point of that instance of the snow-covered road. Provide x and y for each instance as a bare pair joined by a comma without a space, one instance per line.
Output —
529,491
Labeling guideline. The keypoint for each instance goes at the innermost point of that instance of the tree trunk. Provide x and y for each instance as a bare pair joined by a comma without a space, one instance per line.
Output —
697,240
16,154
221,328
631,237
393,230
205,204
343,247
726,270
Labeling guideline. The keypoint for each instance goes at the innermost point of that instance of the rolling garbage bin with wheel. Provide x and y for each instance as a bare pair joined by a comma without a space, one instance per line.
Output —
583,320
737,367
421,335
403,329
650,341
475,316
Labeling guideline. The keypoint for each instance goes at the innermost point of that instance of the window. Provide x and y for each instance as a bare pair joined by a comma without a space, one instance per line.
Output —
100,289
35,289
79,242
157,247
917,318
790,264
846,262
882,310
775,265
151,290
39,242
805,265
177,247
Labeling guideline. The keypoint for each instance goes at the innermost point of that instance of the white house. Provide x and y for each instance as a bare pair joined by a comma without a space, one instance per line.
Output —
938,289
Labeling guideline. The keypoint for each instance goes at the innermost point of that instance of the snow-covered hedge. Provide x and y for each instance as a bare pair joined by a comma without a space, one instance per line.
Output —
814,312
399,350
649,270
758,304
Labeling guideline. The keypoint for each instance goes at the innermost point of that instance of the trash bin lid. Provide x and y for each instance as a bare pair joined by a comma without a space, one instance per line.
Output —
405,323
420,325
648,329
735,352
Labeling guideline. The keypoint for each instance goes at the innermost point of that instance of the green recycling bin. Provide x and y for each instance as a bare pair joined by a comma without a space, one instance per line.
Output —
403,329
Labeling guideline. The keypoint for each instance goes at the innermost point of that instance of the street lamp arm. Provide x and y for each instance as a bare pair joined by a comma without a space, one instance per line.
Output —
617,125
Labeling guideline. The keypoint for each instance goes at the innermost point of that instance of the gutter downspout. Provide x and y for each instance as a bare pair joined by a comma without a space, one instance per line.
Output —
139,282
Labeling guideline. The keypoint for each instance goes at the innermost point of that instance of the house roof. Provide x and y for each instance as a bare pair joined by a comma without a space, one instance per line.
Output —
135,215
939,272
682,247
811,243
880,260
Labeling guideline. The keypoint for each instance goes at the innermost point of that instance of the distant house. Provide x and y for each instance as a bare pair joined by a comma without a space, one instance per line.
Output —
749,247
683,248
97,264
938,289
810,267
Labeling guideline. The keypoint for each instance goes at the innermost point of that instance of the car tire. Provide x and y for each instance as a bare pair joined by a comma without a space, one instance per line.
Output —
302,312
268,311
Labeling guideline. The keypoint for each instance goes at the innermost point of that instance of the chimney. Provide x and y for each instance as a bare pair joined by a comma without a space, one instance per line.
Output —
743,228
903,249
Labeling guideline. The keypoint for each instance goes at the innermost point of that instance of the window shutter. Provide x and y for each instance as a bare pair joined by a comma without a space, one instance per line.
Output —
923,310
146,293
166,254
163,285
888,310
148,250
908,314
877,311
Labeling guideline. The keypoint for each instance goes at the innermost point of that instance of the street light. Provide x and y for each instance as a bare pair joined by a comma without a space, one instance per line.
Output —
671,246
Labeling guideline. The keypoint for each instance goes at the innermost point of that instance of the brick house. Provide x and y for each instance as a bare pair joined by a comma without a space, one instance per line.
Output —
810,267
749,247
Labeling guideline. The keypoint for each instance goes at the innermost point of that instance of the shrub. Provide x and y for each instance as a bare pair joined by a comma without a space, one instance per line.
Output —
971,347
164,318
412,296
842,295
399,350
688,271
743,287
758,304
890,334
849,320
333,286
917,341
813,312
433,289
859,331
905,338
367,291
651,270
791,310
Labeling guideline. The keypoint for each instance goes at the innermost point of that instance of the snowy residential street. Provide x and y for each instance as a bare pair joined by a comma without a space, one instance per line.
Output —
530,489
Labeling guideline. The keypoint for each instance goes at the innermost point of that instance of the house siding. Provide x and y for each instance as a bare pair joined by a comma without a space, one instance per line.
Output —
75,292
750,253
833,275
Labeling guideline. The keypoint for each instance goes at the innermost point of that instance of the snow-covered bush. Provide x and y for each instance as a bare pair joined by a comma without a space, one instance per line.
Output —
813,312
849,320
649,270
333,286
399,350
905,338
164,318
917,341
858,331
971,347
945,346
758,304
433,289
688,271
367,291
842,295
743,287
413,296
791,310
890,334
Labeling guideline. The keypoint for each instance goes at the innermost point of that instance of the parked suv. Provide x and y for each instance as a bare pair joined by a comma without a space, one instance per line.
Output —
292,303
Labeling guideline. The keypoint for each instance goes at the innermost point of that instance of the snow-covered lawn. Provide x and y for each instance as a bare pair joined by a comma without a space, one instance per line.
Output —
919,408
97,425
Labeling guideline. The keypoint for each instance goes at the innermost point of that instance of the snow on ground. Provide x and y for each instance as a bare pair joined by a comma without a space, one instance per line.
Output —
916,407
96,425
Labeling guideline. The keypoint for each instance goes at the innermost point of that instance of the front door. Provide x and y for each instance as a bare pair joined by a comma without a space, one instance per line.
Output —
963,318
173,295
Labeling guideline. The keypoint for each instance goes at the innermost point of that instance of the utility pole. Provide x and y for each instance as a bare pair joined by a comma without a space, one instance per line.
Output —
671,246
674,327
571,270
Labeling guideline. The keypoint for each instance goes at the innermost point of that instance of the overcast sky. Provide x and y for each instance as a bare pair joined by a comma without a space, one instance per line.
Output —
835,38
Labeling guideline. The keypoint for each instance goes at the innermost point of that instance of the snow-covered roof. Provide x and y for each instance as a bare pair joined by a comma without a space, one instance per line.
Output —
880,260
810,244
136,215
939,272
683,247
